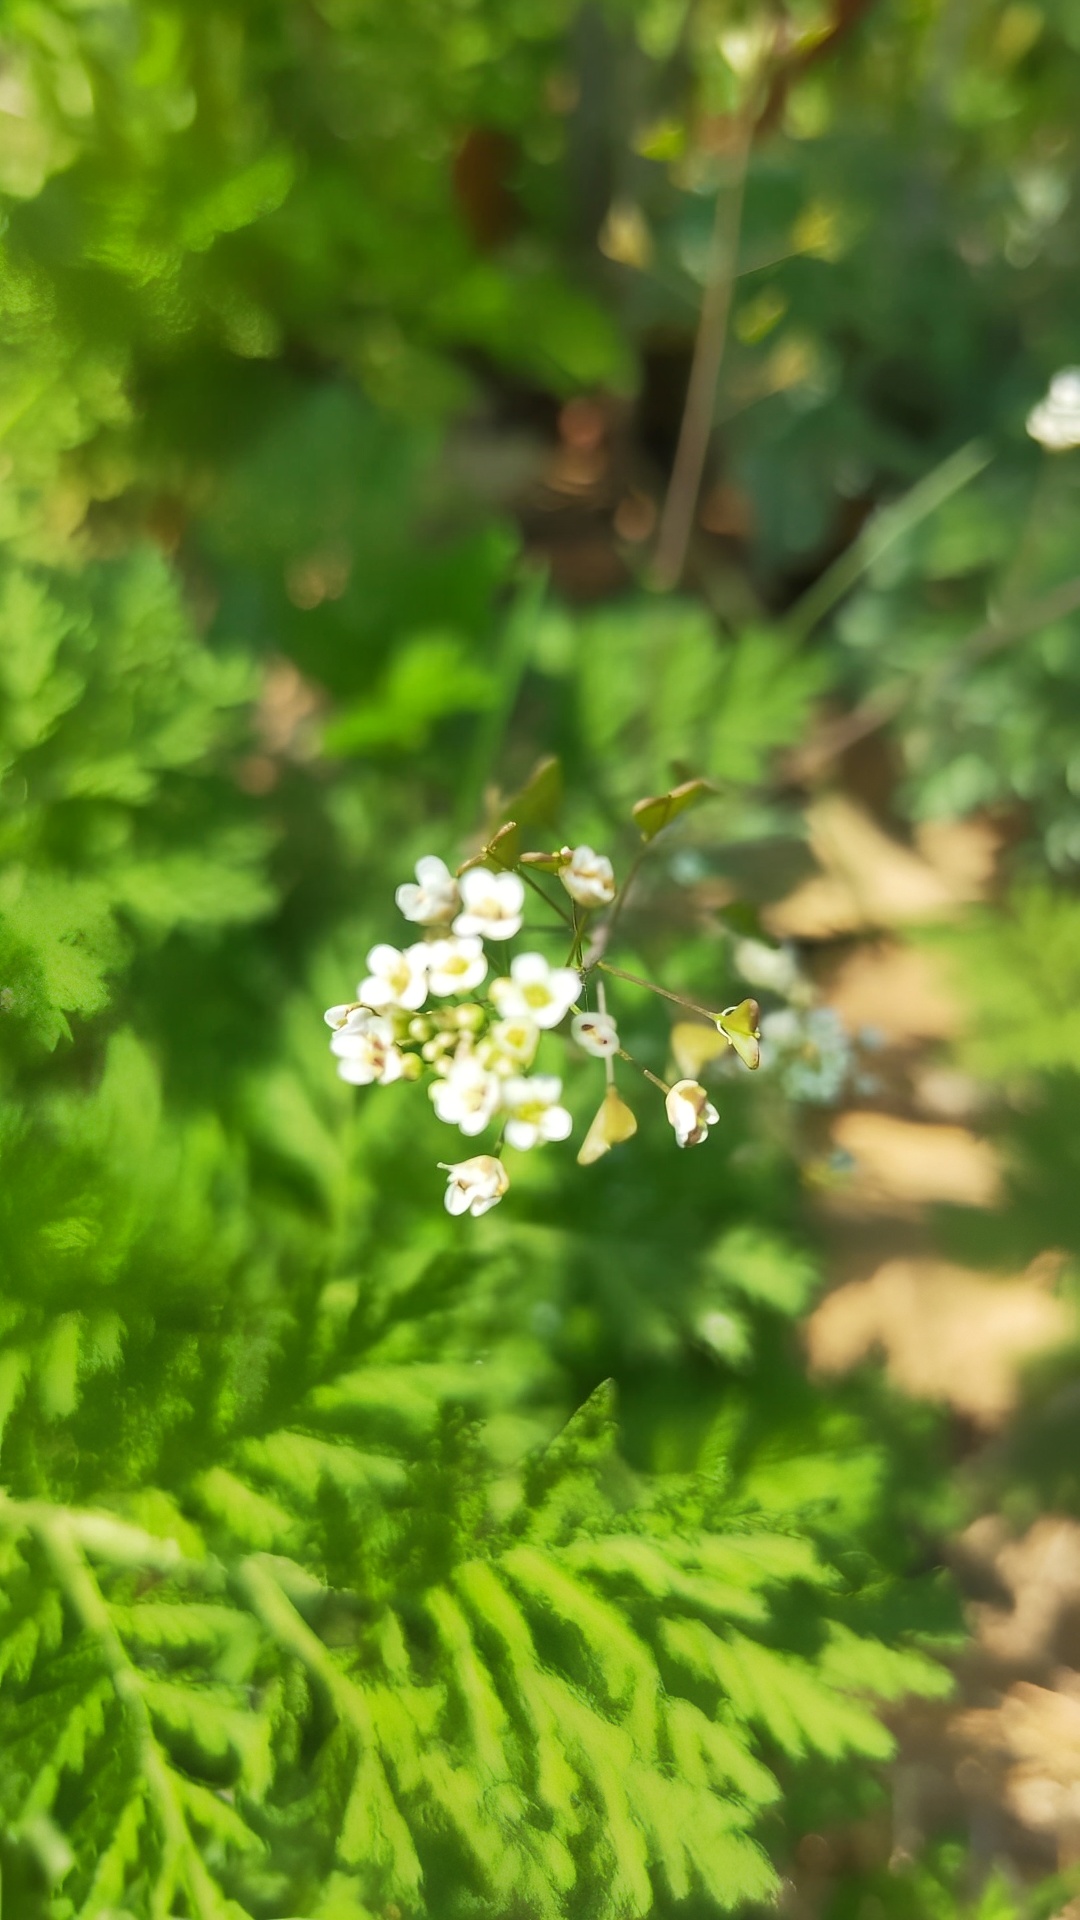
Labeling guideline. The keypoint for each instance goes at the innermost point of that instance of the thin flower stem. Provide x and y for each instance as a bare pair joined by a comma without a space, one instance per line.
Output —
657,1082
545,897
579,937
609,1060
606,931
664,992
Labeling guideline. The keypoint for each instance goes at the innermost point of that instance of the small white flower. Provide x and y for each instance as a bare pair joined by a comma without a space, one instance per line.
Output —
469,1094
596,1032
536,991
1055,421
434,897
511,1045
589,878
691,1113
396,979
535,1113
492,904
365,1050
476,1185
337,1016
455,965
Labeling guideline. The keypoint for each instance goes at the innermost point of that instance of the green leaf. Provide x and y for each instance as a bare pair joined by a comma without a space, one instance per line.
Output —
654,814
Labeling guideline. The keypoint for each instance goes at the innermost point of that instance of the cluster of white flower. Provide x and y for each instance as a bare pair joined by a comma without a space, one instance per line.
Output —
431,1008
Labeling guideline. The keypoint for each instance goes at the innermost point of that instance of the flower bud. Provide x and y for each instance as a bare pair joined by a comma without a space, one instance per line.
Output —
691,1113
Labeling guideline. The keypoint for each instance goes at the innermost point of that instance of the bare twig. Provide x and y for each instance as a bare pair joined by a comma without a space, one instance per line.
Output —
760,112
695,428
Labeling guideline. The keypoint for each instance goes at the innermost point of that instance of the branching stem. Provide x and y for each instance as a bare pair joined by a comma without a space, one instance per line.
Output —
655,1078
531,881
664,992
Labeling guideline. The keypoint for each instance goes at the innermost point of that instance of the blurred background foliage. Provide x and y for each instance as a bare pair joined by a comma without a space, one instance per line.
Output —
624,1553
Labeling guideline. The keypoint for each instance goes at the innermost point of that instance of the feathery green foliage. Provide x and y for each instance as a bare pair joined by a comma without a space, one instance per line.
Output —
337,1578
291,1621
118,826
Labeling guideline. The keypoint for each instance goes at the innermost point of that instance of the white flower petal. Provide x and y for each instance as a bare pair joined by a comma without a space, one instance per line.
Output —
589,878
384,959
536,991
596,1033
690,1112
533,1111
435,899
492,904
475,1186
1055,421
527,969
456,964
359,1073
512,1044
376,992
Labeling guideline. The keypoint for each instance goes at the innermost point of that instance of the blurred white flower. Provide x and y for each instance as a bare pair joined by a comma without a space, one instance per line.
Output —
434,897
454,965
476,1185
596,1032
492,904
536,991
396,979
810,1051
765,966
1055,421
511,1045
469,1094
535,1113
691,1112
365,1050
589,878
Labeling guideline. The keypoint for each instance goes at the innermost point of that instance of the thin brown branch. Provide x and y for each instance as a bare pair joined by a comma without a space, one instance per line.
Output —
757,117
695,429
